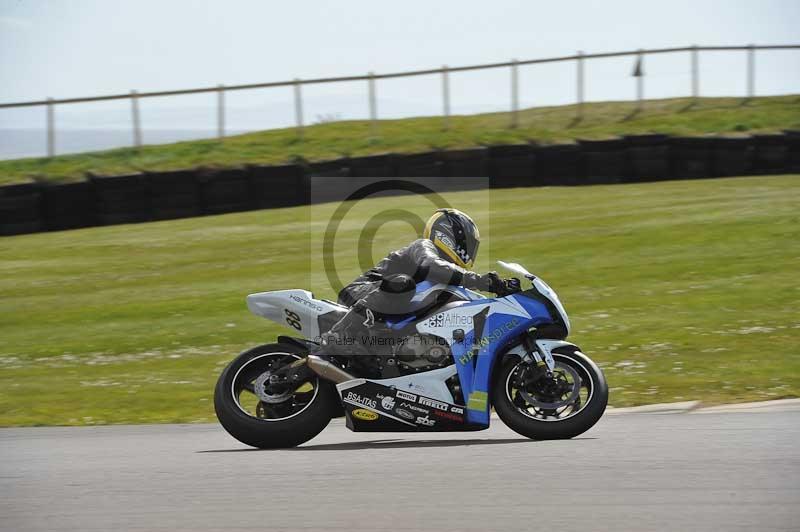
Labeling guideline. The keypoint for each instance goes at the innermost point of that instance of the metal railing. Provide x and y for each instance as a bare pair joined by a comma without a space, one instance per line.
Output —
444,72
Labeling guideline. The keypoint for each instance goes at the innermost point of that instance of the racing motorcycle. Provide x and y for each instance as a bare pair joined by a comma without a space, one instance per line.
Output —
442,367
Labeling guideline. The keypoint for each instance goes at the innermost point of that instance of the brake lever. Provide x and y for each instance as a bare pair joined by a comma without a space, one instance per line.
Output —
514,285
510,286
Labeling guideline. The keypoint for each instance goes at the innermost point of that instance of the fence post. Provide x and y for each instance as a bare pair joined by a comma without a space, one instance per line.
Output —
137,129
221,111
446,95
298,107
514,94
751,71
640,81
373,106
579,81
695,73
51,129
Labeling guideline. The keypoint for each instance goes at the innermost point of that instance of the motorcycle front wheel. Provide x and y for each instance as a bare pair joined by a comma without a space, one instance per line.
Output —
259,407
550,407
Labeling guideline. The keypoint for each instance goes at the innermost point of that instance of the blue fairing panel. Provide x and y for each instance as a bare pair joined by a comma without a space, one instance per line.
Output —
426,288
401,323
422,286
491,324
475,357
426,293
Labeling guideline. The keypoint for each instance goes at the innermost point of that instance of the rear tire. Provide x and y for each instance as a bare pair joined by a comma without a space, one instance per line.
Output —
552,429
272,434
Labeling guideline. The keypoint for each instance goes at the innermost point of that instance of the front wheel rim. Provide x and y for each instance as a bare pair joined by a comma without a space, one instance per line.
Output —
530,404
281,403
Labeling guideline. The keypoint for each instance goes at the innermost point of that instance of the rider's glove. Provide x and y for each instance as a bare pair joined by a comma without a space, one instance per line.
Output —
491,282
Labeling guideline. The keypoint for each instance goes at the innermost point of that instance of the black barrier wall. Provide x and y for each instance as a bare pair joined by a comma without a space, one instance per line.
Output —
107,200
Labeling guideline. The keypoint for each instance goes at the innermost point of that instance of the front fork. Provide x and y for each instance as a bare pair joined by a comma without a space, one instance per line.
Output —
540,352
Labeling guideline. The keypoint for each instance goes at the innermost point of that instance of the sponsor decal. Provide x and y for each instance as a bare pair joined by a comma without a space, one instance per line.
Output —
364,415
485,340
405,395
415,408
448,415
467,357
450,320
424,401
456,410
309,304
425,421
477,401
402,412
387,403
363,401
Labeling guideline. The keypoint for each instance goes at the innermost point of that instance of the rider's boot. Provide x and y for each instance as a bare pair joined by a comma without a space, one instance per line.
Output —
347,336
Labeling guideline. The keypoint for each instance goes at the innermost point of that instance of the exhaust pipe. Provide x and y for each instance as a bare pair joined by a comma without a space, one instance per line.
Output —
328,370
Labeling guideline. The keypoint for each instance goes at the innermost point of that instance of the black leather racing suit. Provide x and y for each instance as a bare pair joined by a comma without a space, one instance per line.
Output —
386,290
421,261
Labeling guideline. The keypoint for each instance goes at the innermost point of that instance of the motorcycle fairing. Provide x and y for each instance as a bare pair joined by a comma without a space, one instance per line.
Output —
297,309
425,289
374,407
430,383
487,326
424,296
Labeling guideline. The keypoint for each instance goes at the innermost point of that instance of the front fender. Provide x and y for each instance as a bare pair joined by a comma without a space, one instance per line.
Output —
545,347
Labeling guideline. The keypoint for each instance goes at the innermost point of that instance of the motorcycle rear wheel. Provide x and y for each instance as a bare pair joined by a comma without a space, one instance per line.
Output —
551,409
285,418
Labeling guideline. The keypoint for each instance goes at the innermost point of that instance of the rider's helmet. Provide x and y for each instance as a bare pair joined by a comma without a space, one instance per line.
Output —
455,234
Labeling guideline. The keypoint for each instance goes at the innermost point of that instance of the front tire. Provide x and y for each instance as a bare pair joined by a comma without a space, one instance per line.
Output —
271,425
555,409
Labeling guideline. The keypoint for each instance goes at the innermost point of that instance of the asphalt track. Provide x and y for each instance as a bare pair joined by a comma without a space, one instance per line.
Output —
637,472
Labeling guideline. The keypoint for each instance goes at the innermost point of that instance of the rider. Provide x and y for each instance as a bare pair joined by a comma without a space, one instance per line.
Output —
444,254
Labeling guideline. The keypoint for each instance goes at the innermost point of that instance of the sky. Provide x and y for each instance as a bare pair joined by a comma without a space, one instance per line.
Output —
59,48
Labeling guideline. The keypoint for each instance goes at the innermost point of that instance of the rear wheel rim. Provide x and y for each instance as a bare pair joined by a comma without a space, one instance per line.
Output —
542,401
274,401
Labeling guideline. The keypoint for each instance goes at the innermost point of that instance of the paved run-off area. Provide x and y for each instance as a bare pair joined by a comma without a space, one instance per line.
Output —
633,472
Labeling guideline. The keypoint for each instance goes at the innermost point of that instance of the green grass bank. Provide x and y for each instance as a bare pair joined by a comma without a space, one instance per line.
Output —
680,290
680,116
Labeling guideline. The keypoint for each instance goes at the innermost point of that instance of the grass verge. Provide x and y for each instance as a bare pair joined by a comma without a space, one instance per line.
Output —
680,290
679,116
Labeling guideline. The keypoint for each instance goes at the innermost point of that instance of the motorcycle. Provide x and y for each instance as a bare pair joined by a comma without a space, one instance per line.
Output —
440,368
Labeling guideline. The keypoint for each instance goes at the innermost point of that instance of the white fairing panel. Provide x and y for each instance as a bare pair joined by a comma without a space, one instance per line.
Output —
428,383
423,297
296,309
550,294
516,268
444,323
542,287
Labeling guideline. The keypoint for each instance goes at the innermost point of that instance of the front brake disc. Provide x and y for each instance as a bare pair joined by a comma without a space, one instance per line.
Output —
535,400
